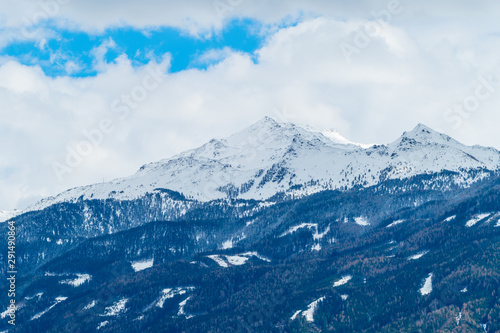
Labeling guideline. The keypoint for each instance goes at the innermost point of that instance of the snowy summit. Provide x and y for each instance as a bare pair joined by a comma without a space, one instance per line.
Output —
271,157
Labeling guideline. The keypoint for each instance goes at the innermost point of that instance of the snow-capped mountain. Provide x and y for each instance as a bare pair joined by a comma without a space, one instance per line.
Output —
141,257
270,157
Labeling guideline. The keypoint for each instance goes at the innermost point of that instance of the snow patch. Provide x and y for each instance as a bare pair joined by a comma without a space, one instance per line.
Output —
228,244
116,309
181,311
311,308
6,312
102,324
316,247
362,221
90,305
58,300
476,219
309,313
142,264
427,287
418,255
255,254
448,219
81,279
78,281
344,297
218,260
342,281
171,293
250,222
236,259
319,236
29,298
297,227
295,314
395,223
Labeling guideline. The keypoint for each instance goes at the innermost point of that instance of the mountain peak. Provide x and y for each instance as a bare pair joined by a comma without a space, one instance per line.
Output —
268,119
424,134
421,128
266,122
278,129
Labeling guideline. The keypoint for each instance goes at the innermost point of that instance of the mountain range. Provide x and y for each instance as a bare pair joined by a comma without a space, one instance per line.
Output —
277,228
270,158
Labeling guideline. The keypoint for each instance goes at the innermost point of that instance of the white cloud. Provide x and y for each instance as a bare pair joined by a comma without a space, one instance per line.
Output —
200,15
412,71
17,78
71,67
99,53
213,56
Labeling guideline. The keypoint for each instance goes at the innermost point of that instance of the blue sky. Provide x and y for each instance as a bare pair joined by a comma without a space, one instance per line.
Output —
67,47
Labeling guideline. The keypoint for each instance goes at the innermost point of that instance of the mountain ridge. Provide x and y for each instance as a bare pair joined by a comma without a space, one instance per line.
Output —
269,157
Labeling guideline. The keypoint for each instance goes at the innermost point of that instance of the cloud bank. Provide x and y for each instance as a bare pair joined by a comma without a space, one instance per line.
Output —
370,70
